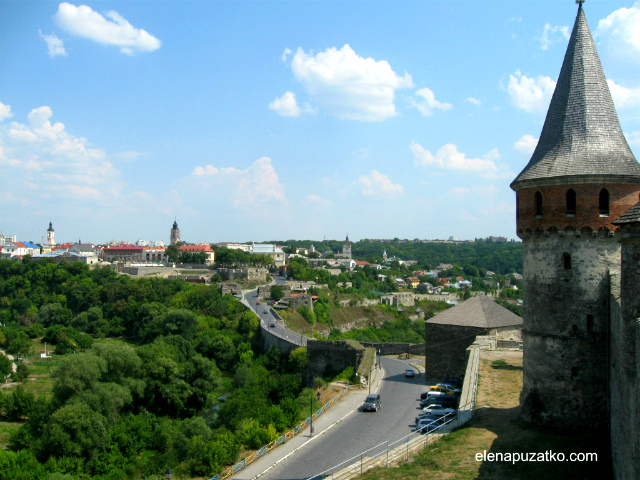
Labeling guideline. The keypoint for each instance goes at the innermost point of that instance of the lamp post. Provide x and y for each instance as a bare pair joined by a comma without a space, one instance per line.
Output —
168,474
311,417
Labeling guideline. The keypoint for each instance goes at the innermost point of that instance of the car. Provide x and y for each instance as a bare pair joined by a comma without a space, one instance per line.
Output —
439,388
409,373
445,400
258,303
372,403
431,418
265,311
455,381
426,425
449,387
272,324
438,410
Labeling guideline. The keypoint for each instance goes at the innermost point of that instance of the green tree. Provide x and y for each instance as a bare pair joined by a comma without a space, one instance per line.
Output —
277,292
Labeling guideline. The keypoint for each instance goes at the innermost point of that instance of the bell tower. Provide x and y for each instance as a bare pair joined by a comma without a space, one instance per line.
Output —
51,241
175,233
580,179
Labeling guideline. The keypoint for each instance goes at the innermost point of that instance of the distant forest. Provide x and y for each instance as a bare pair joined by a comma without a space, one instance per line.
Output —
499,257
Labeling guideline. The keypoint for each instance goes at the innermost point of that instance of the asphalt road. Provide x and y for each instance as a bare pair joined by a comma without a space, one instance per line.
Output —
360,430
267,316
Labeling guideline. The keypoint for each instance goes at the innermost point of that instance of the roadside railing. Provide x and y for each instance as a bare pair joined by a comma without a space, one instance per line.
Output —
387,454
282,439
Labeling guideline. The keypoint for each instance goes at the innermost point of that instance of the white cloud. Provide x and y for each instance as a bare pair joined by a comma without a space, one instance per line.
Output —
378,184
5,111
551,34
449,158
633,138
285,55
258,184
458,192
55,46
287,106
429,102
84,22
45,161
621,31
526,143
530,94
347,85
473,101
624,97
318,201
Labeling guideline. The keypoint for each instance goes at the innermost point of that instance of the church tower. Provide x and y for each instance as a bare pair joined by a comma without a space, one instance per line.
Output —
51,241
580,179
175,233
346,248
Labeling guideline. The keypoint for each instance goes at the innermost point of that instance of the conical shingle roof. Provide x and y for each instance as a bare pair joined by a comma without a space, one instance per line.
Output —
481,312
581,141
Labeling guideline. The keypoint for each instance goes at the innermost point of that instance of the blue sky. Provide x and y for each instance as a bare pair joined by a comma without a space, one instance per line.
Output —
284,120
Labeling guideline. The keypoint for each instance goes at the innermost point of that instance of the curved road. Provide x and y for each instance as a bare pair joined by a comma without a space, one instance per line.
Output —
360,430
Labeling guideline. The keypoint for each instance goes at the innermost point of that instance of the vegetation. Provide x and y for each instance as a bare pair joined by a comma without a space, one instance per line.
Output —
141,366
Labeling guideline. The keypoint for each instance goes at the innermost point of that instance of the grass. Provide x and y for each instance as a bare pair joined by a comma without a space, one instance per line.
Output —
497,428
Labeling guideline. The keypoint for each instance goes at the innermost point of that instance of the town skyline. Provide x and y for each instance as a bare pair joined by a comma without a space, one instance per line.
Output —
284,120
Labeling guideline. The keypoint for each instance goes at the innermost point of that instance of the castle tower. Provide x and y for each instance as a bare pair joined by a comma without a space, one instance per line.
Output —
51,241
346,248
175,233
580,179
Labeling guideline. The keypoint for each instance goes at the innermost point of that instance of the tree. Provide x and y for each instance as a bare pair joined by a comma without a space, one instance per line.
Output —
6,366
75,431
277,292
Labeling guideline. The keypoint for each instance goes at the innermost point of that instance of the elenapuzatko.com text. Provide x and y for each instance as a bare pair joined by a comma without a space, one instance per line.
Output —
548,456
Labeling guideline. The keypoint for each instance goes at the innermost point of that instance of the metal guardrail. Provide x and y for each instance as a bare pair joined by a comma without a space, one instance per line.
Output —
389,453
282,439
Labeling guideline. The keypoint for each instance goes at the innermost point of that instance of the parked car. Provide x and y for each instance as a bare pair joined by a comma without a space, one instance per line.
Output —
450,387
426,425
265,311
455,381
258,303
372,403
444,400
437,388
272,324
409,373
431,418
438,410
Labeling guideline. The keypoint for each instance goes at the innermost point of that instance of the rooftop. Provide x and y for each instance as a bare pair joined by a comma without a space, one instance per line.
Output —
581,140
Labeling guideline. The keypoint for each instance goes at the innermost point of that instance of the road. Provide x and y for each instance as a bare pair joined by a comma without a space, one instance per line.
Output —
268,319
360,430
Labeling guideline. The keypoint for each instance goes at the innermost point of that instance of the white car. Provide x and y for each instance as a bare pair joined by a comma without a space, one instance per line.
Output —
438,410
409,373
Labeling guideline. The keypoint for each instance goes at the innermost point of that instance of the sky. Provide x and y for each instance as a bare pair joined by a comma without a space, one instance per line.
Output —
273,120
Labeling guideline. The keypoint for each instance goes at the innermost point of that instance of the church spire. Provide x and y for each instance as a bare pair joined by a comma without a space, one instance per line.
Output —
581,138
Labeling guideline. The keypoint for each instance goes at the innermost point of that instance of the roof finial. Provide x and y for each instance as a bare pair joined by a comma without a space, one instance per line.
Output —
580,2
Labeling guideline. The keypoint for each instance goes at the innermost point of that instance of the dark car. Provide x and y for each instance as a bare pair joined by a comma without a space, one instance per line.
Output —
445,400
455,381
372,403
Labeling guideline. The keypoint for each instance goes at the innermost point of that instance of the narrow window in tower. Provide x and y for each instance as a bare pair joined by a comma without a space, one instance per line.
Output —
538,201
566,259
574,372
517,207
571,202
575,327
589,323
604,203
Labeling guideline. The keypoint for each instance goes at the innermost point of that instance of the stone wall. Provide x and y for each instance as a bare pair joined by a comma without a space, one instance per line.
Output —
251,274
625,357
331,358
446,349
565,330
